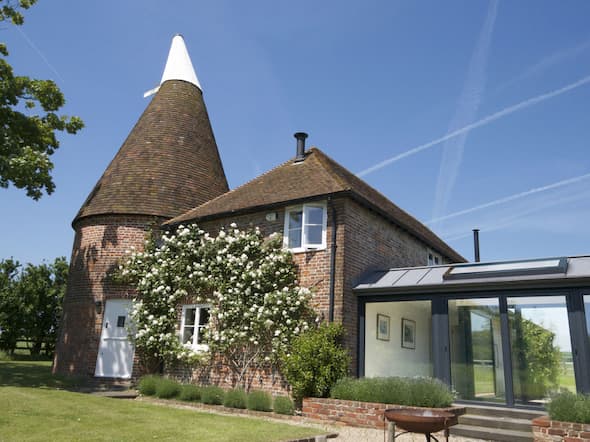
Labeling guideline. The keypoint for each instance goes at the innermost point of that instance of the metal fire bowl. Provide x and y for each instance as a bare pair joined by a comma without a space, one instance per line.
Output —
418,420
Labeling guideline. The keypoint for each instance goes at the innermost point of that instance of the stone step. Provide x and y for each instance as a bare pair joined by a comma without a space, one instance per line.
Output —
516,413
491,434
506,423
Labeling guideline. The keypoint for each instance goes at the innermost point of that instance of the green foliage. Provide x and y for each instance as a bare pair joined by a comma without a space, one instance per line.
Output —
190,393
283,405
235,398
167,388
12,320
537,359
28,120
570,407
212,395
316,362
148,384
31,304
415,392
259,401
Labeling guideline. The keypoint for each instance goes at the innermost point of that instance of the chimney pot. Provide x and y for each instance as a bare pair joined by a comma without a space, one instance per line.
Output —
300,136
476,244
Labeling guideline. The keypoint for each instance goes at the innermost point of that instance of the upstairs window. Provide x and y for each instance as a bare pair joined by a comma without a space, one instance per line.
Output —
434,259
194,319
305,227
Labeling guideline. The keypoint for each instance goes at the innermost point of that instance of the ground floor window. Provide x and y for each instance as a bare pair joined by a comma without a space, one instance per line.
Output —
194,319
513,348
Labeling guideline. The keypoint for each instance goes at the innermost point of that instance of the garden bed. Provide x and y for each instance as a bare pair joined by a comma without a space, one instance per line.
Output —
355,413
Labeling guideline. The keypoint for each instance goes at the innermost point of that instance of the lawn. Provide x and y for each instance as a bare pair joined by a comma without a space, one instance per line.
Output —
31,408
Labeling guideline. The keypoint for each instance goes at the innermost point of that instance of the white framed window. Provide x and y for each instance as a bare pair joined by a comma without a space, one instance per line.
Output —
433,259
194,318
305,227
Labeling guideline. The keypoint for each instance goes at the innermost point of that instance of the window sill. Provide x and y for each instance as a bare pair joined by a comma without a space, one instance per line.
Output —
307,249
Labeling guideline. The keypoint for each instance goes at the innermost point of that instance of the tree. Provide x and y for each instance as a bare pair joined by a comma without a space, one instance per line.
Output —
28,120
11,306
256,306
41,289
31,304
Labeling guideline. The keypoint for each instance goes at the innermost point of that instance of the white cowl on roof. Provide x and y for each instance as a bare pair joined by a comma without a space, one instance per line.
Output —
179,65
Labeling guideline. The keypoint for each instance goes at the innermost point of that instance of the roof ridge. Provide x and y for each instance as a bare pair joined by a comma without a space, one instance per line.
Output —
322,157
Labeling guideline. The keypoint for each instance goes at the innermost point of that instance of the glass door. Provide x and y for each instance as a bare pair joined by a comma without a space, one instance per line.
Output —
540,348
477,366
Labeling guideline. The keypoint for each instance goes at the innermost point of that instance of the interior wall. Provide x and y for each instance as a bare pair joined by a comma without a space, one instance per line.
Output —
388,358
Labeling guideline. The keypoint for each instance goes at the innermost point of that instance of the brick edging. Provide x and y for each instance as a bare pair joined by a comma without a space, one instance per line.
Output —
355,413
547,430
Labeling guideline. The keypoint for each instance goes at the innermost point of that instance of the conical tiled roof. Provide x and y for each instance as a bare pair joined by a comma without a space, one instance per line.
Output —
168,164
317,176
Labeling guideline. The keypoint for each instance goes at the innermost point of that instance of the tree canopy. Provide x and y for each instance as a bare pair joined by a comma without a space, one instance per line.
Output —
29,120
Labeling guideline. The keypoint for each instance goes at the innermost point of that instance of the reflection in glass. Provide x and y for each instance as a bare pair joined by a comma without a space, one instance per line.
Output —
540,347
190,314
315,215
477,368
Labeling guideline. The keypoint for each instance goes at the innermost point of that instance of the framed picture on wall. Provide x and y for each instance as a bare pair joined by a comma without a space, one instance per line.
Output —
382,327
408,333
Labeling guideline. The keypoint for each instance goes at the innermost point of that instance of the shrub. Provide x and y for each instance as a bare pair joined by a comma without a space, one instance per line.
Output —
147,384
259,401
212,395
316,362
167,388
415,392
283,405
235,398
570,407
190,392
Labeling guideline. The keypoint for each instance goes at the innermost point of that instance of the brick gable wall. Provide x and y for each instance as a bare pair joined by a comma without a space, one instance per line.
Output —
365,241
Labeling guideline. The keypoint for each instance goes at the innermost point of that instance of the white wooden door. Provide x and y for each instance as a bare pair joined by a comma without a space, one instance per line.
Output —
115,352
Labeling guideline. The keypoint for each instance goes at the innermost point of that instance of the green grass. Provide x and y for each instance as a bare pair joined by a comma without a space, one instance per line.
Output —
29,413
33,374
566,378
484,379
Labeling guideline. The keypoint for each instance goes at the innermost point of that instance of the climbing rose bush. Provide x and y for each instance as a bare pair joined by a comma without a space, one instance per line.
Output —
257,307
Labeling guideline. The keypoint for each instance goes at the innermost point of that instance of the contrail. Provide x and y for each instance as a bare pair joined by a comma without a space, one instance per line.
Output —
483,122
512,197
38,51
466,112
507,221
546,63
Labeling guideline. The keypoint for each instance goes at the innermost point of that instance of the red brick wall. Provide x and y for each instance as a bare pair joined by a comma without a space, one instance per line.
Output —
99,243
354,413
545,430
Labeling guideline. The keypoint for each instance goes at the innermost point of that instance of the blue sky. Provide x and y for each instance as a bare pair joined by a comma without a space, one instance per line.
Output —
505,82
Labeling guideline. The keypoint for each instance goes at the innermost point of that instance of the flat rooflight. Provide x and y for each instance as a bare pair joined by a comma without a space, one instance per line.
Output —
515,268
